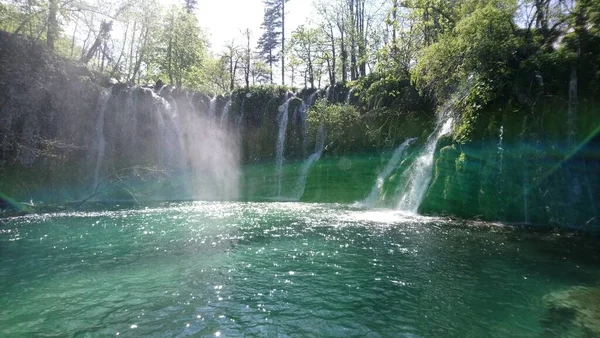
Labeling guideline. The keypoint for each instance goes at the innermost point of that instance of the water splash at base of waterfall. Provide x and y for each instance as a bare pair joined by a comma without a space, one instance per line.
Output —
418,175
310,162
212,108
225,114
100,144
392,164
280,145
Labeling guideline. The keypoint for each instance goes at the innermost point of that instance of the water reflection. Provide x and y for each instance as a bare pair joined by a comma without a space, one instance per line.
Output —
281,269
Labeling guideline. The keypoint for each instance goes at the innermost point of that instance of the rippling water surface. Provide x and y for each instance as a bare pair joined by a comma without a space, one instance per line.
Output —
279,269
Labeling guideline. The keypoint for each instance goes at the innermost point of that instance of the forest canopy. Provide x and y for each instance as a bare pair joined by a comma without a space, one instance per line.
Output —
436,44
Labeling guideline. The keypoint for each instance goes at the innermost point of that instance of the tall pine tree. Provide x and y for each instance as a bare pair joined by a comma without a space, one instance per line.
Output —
190,5
274,35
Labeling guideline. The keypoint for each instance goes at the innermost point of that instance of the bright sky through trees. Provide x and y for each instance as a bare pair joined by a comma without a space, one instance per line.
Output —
225,19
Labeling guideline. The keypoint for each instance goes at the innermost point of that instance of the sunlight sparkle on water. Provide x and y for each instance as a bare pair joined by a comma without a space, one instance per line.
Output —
339,268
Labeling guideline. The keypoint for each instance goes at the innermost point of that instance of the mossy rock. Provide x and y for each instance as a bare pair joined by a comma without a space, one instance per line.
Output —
574,312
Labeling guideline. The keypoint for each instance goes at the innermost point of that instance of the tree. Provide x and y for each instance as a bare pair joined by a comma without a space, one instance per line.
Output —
183,48
247,56
53,29
103,35
274,34
482,44
283,40
260,72
269,41
333,19
233,55
190,6
307,45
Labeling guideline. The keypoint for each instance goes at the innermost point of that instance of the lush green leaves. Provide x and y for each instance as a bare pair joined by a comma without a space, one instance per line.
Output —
481,45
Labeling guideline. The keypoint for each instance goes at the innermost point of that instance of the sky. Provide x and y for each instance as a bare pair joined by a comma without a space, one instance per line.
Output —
225,19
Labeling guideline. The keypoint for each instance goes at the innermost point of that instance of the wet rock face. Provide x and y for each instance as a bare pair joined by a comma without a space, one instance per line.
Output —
572,313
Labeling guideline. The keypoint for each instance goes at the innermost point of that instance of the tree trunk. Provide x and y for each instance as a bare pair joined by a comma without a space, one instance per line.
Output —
311,72
394,26
170,55
247,69
52,29
362,45
140,56
104,29
283,42
344,54
130,62
352,41
271,65
333,58
116,66
74,33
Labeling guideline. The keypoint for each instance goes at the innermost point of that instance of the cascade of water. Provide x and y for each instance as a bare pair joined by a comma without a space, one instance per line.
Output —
501,149
418,175
525,159
225,114
162,147
572,110
574,178
212,108
349,96
100,143
280,145
239,125
175,137
300,111
312,98
310,162
392,164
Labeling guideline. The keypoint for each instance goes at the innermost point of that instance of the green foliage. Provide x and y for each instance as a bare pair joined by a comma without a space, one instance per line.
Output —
183,47
349,130
307,47
390,89
482,44
342,123
480,95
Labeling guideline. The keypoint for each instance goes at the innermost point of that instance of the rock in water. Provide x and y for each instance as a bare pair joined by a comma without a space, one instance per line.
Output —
574,312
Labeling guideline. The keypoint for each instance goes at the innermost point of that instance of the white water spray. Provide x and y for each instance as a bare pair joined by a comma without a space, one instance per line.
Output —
501,149
280,145
100,143
225,114
310,162
392,164
418,175
212,108
349,96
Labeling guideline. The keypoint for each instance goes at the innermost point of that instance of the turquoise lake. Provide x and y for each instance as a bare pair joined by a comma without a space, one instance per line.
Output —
281,270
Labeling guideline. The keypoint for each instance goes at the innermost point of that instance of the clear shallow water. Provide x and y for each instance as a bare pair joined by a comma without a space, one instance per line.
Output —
279,269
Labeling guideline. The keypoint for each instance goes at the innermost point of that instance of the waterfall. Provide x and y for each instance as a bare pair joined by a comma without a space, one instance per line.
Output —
525,196
280,145
100,143
160,147
310,162
392,164
225,114
501,149
525,159
349,96
312,98
418,175
174,141
572,110
212,109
